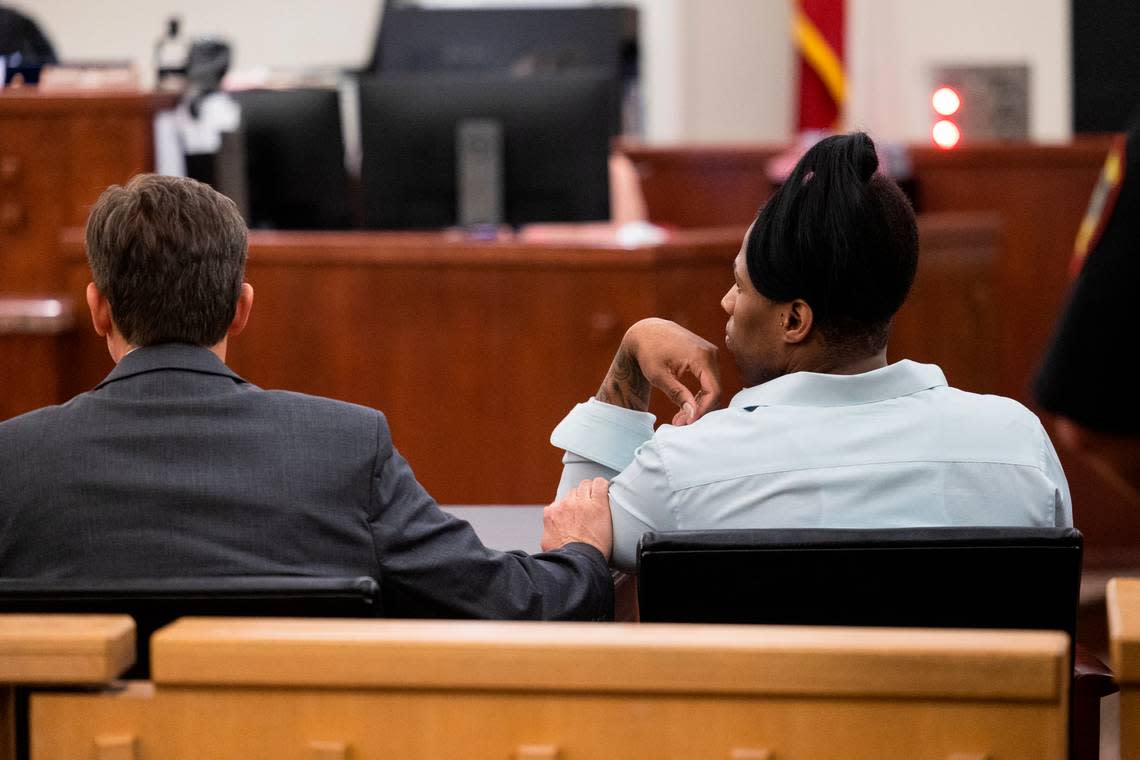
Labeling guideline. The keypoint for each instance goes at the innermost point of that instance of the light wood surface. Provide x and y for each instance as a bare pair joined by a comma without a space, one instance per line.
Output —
1123,602
189,724
74,649
619,657
495,690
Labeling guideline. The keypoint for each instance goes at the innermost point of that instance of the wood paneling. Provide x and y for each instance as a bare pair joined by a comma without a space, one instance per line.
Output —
691,186
35,339
1124,634
944,321
577,657
57,154
259,688
69,649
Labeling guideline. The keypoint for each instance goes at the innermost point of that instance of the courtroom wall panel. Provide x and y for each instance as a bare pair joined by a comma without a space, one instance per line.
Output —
702,186
57,154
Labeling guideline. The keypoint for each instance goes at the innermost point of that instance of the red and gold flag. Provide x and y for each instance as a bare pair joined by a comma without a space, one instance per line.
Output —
818,30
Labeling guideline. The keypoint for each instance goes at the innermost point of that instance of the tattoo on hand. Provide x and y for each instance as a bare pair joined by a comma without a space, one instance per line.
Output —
625,385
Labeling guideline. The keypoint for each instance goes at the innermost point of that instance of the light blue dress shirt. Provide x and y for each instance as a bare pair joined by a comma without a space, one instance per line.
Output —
894,447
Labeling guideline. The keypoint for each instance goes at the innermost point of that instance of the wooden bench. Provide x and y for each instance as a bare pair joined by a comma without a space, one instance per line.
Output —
240,688
1124,637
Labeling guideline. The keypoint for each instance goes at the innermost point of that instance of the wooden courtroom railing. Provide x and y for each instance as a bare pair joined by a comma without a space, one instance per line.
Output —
71,650
1124,634
233,688
475,350
35,335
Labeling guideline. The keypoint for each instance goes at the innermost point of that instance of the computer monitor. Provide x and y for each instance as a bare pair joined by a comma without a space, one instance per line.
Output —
517,40
547,137
294,152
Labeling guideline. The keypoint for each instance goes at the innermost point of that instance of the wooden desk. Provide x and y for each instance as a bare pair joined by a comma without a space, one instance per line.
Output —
475,350
57,154
35,337
426,689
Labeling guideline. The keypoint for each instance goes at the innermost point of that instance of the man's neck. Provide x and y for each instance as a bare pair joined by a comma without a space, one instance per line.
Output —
118,348
829,364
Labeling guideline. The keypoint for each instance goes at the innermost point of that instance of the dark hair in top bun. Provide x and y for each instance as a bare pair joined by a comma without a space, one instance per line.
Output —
842,238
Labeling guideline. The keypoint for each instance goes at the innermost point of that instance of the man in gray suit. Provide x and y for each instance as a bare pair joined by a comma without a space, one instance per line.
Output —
175,466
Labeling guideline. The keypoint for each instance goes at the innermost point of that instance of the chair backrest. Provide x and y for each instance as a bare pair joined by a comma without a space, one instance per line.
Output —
918,577
154,603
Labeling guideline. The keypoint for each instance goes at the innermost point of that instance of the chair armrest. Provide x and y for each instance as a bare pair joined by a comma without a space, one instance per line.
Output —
625,597
1091,676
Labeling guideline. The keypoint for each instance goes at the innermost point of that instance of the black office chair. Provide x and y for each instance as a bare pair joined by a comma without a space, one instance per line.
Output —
155,602
1026,578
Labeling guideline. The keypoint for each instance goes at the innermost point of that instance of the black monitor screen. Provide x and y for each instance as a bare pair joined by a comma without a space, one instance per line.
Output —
519,40
295,159
555,141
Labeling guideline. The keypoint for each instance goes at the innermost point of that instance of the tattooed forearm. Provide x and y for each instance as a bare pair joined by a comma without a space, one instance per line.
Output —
625,385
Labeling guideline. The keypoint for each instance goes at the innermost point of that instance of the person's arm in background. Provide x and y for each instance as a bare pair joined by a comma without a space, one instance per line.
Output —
602,436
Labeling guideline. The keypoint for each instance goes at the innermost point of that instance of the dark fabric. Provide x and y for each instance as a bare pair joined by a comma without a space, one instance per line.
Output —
1083,375
174,466
154,603
19,34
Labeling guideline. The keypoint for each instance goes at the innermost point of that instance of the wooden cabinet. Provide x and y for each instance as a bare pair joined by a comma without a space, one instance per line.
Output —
57,154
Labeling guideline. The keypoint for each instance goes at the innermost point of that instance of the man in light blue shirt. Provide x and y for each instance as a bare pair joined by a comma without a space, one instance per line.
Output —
825,433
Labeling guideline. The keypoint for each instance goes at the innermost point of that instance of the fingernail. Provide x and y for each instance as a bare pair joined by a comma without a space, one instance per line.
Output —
687,408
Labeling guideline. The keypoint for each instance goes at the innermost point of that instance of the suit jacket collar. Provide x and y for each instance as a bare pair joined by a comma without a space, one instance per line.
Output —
176,356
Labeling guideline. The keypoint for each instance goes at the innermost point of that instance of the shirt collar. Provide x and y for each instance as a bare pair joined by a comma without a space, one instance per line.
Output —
814,389
178,356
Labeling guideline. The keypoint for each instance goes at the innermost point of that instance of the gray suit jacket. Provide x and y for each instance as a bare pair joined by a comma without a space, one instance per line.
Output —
175,466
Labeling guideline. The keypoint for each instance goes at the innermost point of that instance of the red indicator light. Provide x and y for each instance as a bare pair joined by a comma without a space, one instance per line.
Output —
945,134
945,101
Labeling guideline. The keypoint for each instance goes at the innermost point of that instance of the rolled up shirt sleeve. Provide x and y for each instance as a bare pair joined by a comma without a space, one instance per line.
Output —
599,440
604,440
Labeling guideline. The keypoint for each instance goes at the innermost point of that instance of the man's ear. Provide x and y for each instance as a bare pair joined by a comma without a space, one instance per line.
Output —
798,320
100,309
241,313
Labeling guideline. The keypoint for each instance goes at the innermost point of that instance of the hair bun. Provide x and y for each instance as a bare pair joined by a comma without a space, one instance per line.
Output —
863,156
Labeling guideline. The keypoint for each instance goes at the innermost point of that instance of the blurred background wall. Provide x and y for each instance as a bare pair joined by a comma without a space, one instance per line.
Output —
712,70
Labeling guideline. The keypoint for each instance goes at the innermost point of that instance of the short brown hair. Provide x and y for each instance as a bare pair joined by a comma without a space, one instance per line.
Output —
168,253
